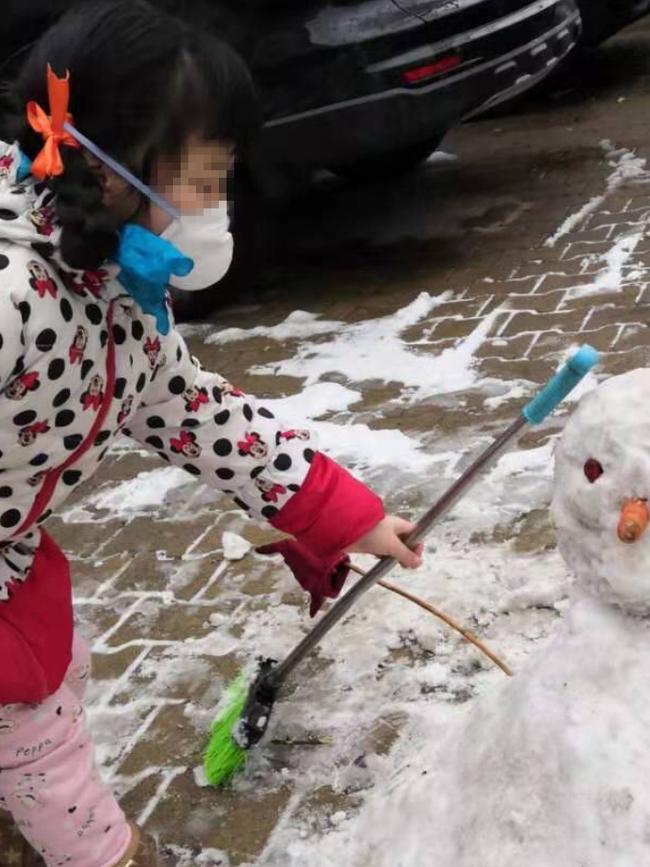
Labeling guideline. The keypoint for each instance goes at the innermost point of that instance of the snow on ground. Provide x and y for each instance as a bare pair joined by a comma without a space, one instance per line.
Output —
615,260
626,166
298,324
389,660
144,493
374,350
353,442
404,661
387,689
574,220
551,767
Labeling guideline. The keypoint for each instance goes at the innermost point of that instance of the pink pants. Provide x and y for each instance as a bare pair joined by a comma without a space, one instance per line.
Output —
48,780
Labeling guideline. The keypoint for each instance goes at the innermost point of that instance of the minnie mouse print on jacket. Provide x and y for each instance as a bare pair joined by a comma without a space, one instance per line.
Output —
80,364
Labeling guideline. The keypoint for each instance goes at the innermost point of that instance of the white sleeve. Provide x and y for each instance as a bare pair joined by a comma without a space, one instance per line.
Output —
200,422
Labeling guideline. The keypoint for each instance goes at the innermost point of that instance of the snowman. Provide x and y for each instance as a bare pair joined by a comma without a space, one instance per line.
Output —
553,768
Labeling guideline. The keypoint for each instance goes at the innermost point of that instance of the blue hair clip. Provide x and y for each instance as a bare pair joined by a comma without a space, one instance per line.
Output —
24,168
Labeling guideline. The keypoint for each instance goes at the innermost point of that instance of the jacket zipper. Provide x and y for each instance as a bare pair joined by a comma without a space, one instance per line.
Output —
53,476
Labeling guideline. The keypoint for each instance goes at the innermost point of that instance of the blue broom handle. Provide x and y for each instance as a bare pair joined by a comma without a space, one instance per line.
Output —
547,400
562,384
534,413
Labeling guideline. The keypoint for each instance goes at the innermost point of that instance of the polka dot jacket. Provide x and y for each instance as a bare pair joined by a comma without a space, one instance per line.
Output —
80,363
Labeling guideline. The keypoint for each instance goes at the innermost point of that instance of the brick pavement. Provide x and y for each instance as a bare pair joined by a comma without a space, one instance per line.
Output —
152,751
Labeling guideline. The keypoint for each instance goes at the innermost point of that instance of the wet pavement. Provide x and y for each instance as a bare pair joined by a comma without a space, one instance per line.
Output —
172,621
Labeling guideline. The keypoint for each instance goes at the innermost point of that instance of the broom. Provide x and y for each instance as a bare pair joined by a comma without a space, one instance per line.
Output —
247,706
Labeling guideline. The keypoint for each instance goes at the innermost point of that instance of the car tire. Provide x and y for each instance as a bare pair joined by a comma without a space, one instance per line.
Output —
396,162
603,18
598,21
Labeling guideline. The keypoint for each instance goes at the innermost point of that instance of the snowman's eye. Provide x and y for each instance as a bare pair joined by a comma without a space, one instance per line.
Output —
593,470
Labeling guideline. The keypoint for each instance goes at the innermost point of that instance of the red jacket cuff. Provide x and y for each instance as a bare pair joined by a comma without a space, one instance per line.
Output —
320,578
331,511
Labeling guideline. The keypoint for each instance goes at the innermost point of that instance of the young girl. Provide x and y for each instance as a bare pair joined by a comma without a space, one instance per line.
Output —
118,139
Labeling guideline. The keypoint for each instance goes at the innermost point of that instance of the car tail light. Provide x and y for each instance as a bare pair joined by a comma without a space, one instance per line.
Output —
421,73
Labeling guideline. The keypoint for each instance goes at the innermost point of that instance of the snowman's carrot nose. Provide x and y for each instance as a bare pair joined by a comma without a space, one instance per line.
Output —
634,520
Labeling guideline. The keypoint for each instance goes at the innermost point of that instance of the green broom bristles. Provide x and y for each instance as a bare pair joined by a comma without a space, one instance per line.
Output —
223,756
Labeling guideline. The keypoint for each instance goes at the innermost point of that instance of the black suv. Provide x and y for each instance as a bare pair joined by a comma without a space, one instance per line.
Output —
351,85
345,84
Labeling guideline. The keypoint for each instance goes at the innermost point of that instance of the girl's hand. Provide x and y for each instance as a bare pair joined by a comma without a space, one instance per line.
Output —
384,540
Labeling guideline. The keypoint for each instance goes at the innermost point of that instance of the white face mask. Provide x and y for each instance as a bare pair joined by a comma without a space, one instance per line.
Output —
203,237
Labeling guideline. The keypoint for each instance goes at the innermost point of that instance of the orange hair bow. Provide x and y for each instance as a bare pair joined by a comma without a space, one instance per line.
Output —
48,163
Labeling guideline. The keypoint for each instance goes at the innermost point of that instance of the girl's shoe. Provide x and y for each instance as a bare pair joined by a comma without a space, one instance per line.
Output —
31,858
142,852
11,842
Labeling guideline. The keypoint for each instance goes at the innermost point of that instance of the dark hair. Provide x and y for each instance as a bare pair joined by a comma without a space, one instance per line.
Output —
141,82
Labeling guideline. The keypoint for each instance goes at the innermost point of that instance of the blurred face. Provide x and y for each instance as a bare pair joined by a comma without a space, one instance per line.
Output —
197,181
193,182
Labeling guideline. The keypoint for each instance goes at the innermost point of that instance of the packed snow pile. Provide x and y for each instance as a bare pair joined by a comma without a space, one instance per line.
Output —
235,547
552,767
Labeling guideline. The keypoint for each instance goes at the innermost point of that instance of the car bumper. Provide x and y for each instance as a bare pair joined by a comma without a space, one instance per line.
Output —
535,40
